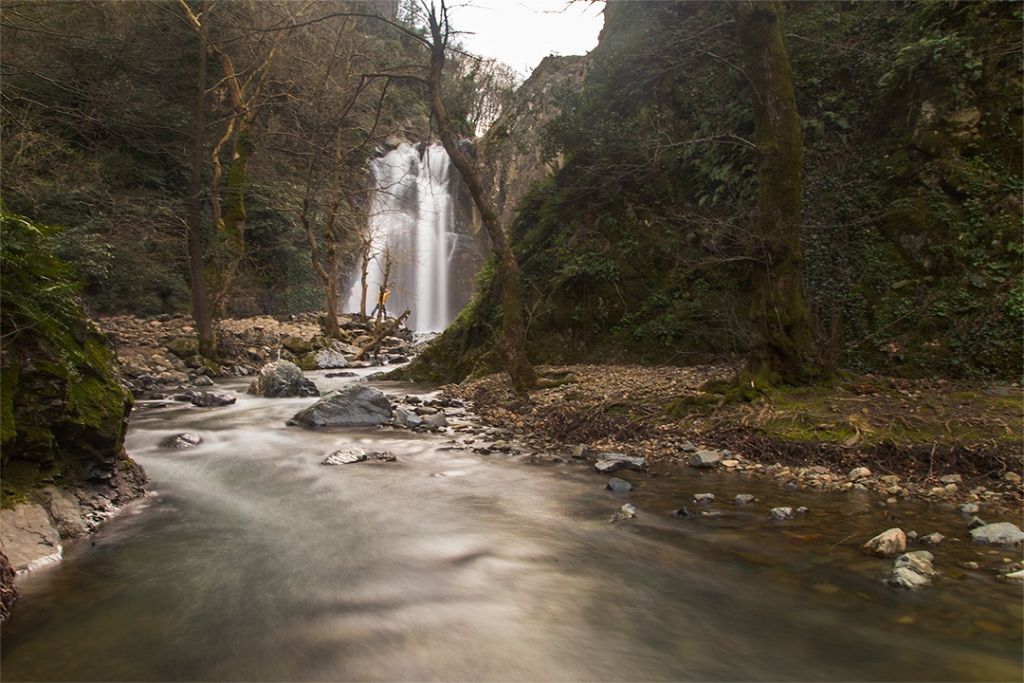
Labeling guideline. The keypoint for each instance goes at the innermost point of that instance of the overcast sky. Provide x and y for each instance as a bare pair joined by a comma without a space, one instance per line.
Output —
523,32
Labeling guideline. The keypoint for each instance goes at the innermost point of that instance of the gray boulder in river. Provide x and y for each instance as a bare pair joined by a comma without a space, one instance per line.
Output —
282,379
352,406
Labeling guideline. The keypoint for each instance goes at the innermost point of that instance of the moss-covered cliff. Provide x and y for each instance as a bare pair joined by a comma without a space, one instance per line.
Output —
640,247
63,411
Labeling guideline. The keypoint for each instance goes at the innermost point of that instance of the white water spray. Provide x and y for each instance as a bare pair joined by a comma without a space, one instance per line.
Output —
411,220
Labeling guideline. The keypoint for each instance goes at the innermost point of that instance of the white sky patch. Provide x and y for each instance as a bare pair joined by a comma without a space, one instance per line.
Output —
521,33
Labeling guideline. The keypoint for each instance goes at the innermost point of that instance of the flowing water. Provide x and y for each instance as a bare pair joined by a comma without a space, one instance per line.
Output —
252,561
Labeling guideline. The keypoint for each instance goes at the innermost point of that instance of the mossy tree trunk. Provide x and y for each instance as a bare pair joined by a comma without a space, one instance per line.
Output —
200,302
511,339
783,348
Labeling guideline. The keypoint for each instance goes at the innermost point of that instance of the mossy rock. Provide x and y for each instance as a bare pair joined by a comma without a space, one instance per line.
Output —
297,345
184,347
307,361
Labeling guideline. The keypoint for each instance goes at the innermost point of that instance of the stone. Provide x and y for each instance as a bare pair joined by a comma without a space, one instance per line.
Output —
1012,477
181,441
1000,533
781,513
330,358
887,544
352,406
1015,576
610,462
627,511
743,499
619,485
858,473
208,399
730,463
951,479
345,456
435,421
932,539
904,577
687,447
705,458
969,509
912,570
403,417
282,379
703,498
202,381
27,537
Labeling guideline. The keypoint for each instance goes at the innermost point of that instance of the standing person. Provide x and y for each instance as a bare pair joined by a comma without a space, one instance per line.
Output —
382,299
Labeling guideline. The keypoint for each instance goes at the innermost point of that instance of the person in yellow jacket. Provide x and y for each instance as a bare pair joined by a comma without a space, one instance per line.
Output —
382,300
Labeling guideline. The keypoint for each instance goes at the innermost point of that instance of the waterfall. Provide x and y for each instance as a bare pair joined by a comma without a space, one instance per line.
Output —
411,221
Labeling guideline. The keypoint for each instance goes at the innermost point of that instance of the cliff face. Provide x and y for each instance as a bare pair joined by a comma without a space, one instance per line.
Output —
64,412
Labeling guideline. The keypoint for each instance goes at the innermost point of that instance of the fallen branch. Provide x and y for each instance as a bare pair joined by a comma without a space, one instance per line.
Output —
385,330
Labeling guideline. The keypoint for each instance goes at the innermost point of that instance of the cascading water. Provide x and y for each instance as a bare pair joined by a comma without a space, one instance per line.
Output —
411,223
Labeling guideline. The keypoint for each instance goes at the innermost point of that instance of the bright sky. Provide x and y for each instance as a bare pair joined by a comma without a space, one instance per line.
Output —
523,32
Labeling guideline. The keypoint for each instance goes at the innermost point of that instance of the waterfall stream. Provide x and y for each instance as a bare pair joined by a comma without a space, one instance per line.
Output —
411,223
250,560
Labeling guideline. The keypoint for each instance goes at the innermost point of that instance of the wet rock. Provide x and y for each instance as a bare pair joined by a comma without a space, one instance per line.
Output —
743,499
686,513
975,522
208,399
932,539
619,485
611,462
353,406
435,421
704,498
687,447
705,458
887,544
329,375
345,456
912,571
969,508
403,417
282,379
202,381
181,441
782,513
627,511
330,358
1000,533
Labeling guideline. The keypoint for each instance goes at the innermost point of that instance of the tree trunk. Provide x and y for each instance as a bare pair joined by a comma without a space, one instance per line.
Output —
200,304
783,348
511,340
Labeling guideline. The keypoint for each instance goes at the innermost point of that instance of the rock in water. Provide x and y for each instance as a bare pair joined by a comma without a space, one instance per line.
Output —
406,418
743,499
627,511
912,570
610,462
345,456
185,440
619,485
435,421
282,379
353,406
887,544
781,513
210,400
1000,533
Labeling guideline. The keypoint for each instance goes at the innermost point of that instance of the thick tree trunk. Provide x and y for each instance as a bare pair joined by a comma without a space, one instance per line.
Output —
200,304
511,340
783,348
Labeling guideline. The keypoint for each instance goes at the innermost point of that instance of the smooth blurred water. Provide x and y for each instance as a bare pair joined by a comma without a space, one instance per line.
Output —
251,561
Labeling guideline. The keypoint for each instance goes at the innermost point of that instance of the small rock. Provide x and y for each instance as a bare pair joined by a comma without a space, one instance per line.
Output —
403,417
730,463
932,539
435,421
1000,533
627,511
1015,576
689,514
180,441
619,485
919,560
802,510
687,447
975,522
705,458
203,381
1012,477
969,508
905,577
951,479
703,497
345,456
858,473
782,513
210,400
743,499
887,544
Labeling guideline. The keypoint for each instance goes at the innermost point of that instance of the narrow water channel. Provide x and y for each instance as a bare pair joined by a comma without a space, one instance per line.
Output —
251,561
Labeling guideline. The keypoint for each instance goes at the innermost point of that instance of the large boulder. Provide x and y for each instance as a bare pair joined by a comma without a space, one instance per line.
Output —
352,406
282,379
1000,533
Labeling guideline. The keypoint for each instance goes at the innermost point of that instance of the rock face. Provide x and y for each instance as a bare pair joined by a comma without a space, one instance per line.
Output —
282,379
63,412
353,406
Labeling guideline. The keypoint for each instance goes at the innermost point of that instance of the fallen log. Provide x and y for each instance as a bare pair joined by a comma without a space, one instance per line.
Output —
384,330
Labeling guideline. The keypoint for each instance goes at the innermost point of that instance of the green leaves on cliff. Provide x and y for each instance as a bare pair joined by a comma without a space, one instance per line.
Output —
38,292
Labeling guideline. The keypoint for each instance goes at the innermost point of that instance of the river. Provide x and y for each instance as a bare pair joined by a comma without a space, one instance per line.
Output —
249,560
